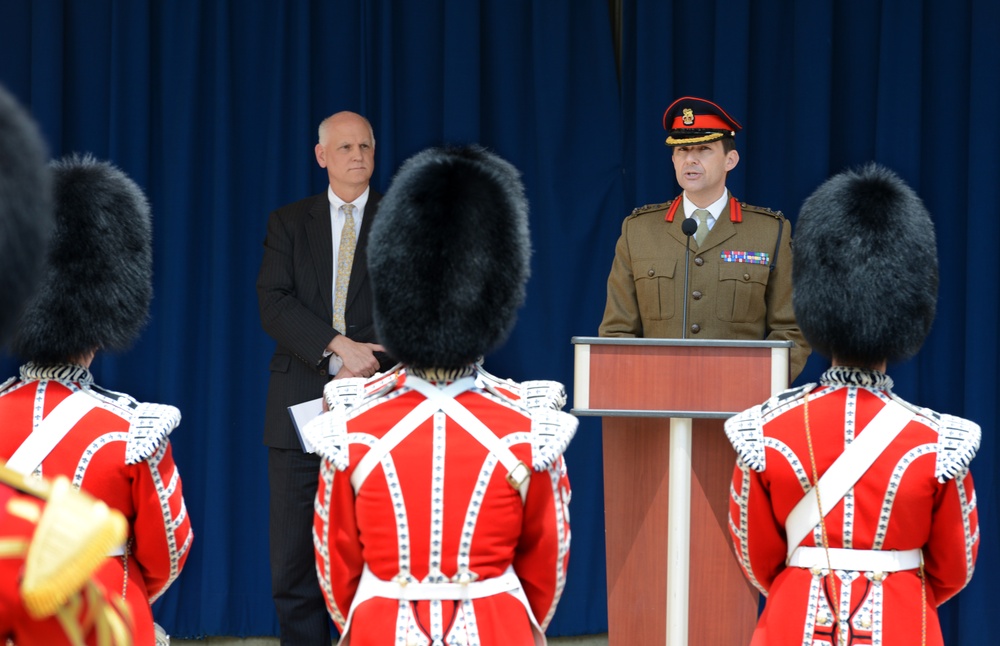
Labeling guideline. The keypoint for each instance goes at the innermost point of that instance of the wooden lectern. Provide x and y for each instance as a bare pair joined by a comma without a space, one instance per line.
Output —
672,575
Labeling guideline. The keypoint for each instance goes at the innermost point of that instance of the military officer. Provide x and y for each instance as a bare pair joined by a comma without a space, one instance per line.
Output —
739,276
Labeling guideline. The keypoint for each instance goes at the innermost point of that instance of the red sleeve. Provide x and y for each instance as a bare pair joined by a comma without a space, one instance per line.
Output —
758,538
161,528
543,549
339,559
951,550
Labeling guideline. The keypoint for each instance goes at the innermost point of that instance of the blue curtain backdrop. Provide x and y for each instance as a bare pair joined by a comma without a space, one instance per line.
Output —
213,106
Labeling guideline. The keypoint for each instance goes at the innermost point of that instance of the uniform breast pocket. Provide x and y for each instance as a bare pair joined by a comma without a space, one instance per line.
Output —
655,288
742,287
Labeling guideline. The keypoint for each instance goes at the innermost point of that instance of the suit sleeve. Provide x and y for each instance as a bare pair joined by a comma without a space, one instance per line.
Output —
162,527
282,313
621,312
543,549
781,323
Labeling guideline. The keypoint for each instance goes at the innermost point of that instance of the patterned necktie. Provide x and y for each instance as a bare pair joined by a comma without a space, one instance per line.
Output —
702,232
345,258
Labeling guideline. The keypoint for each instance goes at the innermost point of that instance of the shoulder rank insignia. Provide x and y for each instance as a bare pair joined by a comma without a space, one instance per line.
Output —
149,428
551,432
958,441
639,210
762,210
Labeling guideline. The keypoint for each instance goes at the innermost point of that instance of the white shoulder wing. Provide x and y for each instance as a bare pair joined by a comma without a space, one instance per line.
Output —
148,429
551,432
958,441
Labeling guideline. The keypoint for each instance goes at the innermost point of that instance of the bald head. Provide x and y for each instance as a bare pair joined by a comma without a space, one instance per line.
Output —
346,149
340,118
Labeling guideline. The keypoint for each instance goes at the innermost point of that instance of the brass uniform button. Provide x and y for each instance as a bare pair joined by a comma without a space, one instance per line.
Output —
746,276
696,295
650,273
695,328
699,261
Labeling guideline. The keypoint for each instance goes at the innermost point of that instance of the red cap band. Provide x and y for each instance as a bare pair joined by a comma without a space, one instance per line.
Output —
702,122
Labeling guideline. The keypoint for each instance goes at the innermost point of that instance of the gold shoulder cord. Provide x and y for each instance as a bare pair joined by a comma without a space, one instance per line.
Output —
826,543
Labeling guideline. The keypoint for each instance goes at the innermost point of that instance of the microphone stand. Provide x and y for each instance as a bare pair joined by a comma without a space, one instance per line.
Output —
688,227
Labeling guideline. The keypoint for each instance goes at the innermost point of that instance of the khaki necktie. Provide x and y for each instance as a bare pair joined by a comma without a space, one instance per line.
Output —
702,232
345,258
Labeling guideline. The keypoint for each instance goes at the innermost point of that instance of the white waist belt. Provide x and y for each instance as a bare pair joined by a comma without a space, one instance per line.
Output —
375,587
856,560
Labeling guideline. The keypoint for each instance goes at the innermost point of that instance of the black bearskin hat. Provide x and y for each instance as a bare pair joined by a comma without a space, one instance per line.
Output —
449,256
26,221
865,268
98,284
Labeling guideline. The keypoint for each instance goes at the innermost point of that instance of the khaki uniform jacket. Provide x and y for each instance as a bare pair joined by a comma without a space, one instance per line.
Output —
730,298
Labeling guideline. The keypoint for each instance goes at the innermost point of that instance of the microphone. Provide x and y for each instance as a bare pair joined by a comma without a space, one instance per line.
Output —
688,227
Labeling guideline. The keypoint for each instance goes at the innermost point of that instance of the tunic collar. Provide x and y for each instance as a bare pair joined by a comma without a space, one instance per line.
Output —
32,371
438,375
851,376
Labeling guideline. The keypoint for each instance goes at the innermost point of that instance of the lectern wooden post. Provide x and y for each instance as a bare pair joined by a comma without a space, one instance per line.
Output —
672,576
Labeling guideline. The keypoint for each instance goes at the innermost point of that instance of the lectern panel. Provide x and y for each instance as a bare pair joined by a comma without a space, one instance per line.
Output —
634,377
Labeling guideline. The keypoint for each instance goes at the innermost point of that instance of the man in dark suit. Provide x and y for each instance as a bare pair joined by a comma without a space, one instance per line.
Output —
315,302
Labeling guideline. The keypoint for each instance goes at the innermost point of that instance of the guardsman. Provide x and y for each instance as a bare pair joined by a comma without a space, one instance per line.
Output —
52,537
55,420
739,273
853,510
442,512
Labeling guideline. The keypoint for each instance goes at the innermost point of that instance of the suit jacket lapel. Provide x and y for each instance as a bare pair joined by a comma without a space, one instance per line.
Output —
320,237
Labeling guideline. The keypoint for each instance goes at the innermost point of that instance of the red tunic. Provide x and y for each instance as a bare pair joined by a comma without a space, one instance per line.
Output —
119,453
917,495
90,615
437,508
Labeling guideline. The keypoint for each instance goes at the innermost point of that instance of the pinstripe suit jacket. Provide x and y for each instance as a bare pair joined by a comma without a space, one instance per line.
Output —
294,292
